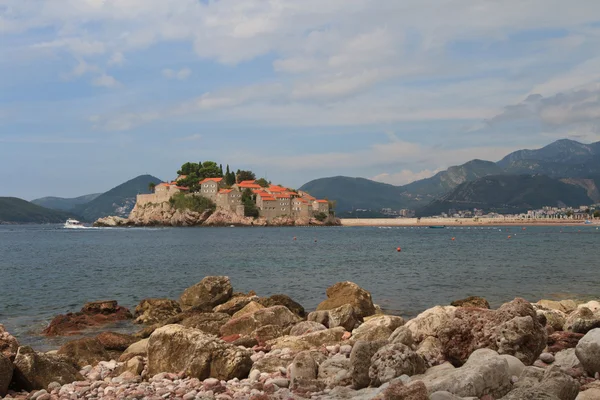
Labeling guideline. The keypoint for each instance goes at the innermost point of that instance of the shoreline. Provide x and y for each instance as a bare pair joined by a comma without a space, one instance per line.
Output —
426,222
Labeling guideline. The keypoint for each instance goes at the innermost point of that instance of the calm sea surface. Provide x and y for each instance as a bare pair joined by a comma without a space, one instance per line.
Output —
47,270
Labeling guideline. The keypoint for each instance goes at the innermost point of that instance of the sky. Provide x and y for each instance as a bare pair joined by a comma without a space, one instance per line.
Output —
96,92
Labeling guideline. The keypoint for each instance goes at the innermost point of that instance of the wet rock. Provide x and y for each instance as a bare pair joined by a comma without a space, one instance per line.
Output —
348,293
86,351
558,341
6,373
394,360
305,327
397,390
402,335
309,340
360,361
139,348
283,300
335,371
546,384
151,311
588,351
115,341
379,327
8,343
249,308
92,314
209,292
210,323
234,304
485,372
512,329
582,320
174,348
248,323
472,301
34,371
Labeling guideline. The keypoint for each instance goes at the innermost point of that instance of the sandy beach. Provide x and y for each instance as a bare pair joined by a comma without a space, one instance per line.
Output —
463,222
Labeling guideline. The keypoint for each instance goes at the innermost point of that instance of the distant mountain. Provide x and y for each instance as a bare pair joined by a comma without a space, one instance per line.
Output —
117,201
509,194
565,159
64,204
18,211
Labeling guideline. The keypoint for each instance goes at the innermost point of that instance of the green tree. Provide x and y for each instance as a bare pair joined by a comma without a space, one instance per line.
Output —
229,177
221,169
321,216
597,214
262,182
188,168
245,176
209,169
249,202
151,187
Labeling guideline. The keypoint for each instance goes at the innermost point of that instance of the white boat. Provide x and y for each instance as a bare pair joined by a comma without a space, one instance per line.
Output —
73,223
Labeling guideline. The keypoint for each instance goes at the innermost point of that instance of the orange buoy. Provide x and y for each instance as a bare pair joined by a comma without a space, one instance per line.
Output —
452,239
294,237
398,249
509,236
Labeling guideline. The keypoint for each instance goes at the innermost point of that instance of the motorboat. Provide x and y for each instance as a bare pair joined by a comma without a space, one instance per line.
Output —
73,223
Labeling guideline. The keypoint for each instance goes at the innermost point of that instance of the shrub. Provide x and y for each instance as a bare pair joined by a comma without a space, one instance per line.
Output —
181,201
321,216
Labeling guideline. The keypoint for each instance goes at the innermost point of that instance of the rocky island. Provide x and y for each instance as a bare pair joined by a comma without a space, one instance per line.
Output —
213,343
204,195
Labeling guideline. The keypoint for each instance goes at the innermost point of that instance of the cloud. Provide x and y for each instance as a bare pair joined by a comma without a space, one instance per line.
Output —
105,80
180,75
116,59
76,46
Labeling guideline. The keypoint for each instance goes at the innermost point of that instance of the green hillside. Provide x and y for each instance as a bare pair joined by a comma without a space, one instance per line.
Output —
118,201
19,211
64,204
508,194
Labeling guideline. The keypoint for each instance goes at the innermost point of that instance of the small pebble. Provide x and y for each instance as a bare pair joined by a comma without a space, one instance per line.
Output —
547,358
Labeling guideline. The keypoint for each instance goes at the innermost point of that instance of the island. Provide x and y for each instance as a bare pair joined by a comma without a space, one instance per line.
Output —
205,195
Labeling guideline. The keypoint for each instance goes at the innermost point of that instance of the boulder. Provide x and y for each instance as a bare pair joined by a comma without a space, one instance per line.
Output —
394,360
6,373
248,323
86,351
515,366
402,335
175,348
305,327
567,359
360,361
397,390
134,365
593,305
430,322
309,341
348,293
249,308
345,316
139,348
92,314
234,304
430,350
271,365
379,327
151,311
550,383
266,333
8,343
335,371
283,300
304,366
565,306
210,323
484,373
209,292
512,329
582,320
590,394
588,351
558,341
471,301
554,318
35,371
115,341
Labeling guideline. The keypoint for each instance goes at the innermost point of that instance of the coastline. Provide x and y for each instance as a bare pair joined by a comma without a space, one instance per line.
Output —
426,222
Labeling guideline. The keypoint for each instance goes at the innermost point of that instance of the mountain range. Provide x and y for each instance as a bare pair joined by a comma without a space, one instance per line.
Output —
567,164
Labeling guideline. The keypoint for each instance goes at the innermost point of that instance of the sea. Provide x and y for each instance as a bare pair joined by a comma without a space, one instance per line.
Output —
47,270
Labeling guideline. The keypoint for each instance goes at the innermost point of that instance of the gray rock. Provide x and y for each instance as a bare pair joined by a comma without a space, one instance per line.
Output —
567,359
485,372
34,371
394,360
588,351
442,395
345,316
582,320
6,373
335,371
360,361
552,384
590,394
209,292
304,366
304,327
515,366
379,327
151,311
402,335
547,358
320,317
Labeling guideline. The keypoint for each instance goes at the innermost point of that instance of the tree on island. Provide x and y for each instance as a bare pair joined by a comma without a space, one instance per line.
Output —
263,182
245,176
229,177
151,187
196,172
597,214
249,202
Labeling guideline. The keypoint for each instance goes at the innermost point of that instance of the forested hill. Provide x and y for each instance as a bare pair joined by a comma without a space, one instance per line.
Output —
18,211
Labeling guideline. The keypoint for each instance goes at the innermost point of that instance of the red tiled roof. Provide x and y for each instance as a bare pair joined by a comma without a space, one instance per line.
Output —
282,196
322,201
211,179
308,196
182,188
247,182
225,190
181,177
275,188
249,185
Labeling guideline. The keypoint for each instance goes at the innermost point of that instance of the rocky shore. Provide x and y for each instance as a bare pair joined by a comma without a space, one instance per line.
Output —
213,343
162,214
